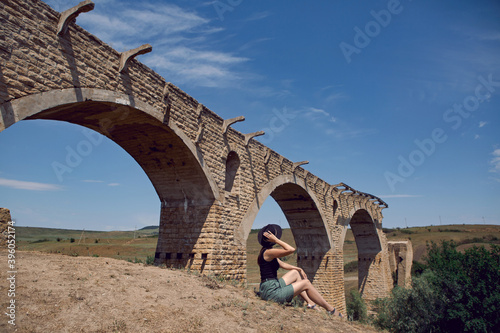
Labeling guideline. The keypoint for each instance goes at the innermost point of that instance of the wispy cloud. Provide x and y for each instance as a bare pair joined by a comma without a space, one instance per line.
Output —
495,163
348,133
482,123
258,16
183,41
30,186
317,114
399,196
114,184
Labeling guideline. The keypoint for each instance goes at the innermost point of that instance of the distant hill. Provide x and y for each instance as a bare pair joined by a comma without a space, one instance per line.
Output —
151,227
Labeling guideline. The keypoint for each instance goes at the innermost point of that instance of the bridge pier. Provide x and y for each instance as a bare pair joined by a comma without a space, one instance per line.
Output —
196,238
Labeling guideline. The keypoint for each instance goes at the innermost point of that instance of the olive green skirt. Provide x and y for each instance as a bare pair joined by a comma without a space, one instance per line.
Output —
276,290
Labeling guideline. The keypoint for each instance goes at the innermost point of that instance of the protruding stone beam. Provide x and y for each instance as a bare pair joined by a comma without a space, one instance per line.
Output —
199,135
168,106
70,14
376,200
199,110
125,57
252,135
165,91
345,188
229,122
268,156
297,164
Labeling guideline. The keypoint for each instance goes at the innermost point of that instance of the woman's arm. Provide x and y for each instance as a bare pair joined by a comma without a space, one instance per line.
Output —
289,267
277,253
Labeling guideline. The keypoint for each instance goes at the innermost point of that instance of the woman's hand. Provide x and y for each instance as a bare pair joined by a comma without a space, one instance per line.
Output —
270,237
302,273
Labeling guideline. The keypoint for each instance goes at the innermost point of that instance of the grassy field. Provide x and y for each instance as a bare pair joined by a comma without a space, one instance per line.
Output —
139,245
127,245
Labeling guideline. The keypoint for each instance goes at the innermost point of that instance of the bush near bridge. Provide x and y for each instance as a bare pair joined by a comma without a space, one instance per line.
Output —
457,292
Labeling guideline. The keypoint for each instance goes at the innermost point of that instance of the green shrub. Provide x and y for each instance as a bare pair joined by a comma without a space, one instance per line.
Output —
457,292
356,307
417,268
351,266
40,241
409,310
150,260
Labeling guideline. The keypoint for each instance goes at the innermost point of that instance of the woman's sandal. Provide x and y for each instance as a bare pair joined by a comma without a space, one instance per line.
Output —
313,307
332,313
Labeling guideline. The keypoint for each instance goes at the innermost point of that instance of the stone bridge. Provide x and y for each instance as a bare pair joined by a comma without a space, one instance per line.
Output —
211,180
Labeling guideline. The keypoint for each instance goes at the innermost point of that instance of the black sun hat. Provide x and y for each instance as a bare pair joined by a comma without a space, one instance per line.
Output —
272,228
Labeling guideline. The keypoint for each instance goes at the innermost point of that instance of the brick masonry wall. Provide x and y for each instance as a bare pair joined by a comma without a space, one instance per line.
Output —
5,218
199,219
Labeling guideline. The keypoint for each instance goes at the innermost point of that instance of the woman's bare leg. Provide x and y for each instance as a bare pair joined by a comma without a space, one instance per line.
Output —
306,286
292,277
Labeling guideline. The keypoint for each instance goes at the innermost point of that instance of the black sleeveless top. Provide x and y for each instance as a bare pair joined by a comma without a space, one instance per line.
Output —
268,269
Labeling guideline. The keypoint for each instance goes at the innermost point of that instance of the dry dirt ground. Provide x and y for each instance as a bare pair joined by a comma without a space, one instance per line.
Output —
57,293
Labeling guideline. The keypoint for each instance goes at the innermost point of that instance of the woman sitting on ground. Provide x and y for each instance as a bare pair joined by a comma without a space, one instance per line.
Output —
294,282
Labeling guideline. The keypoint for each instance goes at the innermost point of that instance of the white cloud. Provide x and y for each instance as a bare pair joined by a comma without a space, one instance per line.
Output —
495,161
315,114
347,133
183,41
258,16
482,123
30,186
114,184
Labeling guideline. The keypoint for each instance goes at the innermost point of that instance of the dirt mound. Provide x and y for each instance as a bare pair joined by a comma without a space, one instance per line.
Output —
56,293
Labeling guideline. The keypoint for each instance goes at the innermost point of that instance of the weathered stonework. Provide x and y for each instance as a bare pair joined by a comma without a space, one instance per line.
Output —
400,260
4,219
211,180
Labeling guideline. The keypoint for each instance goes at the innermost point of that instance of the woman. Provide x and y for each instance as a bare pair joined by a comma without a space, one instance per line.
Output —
294,282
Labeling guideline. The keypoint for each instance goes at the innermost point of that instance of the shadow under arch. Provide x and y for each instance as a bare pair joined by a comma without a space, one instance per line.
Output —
170,160
307,222
368,244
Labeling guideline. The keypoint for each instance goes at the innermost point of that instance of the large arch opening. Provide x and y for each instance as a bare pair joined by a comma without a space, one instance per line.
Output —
350,254
67,176
368,247
300,211
270,213
169,159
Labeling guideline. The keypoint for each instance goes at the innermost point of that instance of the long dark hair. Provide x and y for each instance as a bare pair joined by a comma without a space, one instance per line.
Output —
261,255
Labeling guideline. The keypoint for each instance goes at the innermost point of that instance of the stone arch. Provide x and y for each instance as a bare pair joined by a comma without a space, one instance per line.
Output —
302,211
372,261
287,184
232,166
168,157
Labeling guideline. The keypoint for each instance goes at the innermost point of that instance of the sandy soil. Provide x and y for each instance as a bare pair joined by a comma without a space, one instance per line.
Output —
57,293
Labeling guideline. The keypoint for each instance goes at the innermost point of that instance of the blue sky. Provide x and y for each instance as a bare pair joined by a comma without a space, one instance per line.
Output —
397,99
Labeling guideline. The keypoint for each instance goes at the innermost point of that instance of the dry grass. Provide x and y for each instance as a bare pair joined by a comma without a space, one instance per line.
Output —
57,293
122,245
